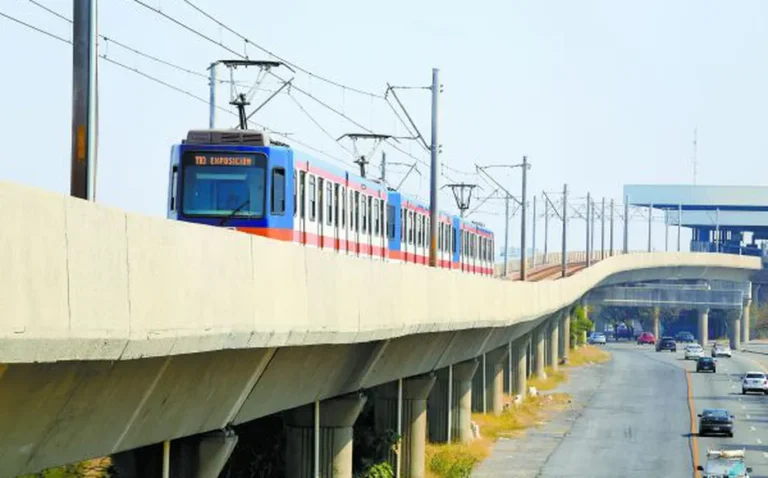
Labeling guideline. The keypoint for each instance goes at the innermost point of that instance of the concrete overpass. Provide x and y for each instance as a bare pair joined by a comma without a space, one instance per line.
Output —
121,331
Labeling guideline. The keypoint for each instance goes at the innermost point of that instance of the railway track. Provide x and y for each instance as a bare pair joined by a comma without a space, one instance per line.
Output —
550,272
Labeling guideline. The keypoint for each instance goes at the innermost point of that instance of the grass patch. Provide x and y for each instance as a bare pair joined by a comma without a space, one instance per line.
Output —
456,460
95,468
554,378
588,354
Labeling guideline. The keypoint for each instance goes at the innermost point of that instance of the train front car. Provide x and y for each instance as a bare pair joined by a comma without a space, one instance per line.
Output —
233,178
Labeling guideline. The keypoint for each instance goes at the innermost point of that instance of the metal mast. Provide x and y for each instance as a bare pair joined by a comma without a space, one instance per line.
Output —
433,169
84,100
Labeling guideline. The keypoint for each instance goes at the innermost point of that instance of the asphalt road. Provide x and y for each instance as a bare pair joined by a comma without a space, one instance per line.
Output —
636,420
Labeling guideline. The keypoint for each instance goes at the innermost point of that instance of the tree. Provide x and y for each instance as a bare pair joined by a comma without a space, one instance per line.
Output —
580,324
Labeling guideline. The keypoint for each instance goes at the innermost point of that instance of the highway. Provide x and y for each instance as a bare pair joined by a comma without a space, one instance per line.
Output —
637,423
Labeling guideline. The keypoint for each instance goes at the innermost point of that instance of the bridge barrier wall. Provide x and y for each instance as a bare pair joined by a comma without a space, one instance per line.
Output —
89,282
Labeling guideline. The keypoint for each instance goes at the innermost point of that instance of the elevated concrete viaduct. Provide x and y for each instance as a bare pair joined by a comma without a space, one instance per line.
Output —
121,331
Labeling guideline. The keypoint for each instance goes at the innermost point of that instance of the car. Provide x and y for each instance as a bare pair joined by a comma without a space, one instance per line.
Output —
706,363
715,421
721,350
646,338
754,382
666,343
686,337
725,463
693,352
597,338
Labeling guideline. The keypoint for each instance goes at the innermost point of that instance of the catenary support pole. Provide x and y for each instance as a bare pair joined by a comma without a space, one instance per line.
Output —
433,206
84,100
611,233
587,216
626,224
506,237
533,234
212,95
523,214
546,230
679,224
602,231
650,225
564,257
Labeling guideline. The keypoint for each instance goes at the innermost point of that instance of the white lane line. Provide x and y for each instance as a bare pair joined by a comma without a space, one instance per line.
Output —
744,407
752,428
765,455
747,417
759,441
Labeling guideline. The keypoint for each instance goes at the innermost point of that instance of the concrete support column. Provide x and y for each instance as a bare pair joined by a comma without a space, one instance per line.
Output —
214,449
734,332
337,416
745,321
494,361
538,345
459,389
521,369
703,326
566,333
554,332
414,421
656,327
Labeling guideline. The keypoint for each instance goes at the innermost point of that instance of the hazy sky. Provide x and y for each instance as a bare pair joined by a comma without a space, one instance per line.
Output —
597,93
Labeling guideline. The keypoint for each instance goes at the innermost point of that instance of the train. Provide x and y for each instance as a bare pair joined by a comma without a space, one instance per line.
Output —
245,180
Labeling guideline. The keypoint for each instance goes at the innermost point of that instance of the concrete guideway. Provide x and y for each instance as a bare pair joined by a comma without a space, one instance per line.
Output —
124,331
93,283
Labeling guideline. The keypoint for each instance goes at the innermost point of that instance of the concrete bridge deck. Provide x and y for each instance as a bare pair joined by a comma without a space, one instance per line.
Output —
120,330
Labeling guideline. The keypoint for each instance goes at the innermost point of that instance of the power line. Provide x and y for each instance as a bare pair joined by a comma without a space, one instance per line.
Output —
171,86
274,55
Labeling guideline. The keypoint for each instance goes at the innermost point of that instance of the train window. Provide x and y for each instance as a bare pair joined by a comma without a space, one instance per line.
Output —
278,191
174,182
363,215
302,193
370,214
382,215
330,201
390,221
320,199
356,211
343,202
403,226
336,204
295,204
375,214
312,197
440,237
409,220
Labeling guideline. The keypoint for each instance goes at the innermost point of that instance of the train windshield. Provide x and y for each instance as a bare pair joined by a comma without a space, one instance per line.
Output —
224,184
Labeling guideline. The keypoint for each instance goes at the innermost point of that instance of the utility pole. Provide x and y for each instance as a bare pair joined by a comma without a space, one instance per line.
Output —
650,222
533,234
602,231
626,224
666,230
611,233
506,236
546,229
212,95
523,200
384,167
84,100
564,258
586,216
521,203
592,230
679,221
433,186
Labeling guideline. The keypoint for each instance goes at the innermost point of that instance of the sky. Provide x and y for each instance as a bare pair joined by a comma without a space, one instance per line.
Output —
597,94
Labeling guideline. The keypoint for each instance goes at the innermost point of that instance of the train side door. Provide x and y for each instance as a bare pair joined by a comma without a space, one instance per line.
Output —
320,211
336,211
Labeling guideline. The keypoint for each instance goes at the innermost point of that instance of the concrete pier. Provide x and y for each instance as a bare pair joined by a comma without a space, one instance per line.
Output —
554,341
539,350
337,416
703,326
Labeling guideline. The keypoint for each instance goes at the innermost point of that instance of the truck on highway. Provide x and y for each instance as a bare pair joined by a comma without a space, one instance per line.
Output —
725,463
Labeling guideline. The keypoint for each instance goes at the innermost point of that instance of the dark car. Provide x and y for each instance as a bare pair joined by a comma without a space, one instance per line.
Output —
706,364
714,421
686,337
666,343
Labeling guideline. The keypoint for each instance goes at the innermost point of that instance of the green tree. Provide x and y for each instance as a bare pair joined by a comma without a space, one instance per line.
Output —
580,324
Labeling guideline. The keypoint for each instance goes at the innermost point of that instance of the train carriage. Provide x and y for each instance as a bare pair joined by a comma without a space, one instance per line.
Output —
242,180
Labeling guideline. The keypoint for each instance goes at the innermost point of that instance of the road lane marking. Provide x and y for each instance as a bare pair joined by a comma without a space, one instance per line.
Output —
765,455
752,428
743,407
747,416
759,441
693,438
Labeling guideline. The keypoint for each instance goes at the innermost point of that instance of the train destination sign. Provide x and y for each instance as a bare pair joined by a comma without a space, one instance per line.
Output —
222,160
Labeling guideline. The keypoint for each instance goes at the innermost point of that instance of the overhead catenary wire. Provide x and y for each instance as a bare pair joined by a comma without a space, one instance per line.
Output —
170,86
248,41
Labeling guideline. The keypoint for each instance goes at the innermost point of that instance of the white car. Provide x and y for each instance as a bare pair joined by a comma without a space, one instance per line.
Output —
597,338
721,350
693,352
754,382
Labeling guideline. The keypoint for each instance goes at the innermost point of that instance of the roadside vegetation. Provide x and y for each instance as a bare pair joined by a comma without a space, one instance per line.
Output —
96,468
456,460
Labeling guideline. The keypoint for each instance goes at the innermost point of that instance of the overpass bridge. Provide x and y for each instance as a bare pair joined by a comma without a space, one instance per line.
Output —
122,331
